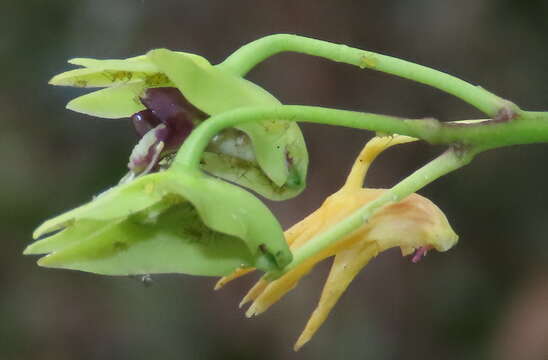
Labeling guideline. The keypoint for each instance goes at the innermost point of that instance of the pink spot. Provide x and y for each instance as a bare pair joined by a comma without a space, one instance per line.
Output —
420,253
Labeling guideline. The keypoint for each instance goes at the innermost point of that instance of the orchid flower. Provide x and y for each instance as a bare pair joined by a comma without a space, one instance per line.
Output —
414,224
167,94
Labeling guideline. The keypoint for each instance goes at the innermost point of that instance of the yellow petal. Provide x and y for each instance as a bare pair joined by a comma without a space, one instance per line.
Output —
333,210
370,151
410,224
236,274
254,292
276,289
299,228
346,266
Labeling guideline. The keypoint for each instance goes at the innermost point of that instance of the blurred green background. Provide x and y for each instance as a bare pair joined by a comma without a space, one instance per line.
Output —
485,299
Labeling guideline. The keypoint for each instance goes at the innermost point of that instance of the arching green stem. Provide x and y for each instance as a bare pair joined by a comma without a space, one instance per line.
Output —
530,127
248,56
191,151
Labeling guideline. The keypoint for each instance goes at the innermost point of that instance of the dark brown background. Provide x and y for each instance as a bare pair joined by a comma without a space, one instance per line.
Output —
485,299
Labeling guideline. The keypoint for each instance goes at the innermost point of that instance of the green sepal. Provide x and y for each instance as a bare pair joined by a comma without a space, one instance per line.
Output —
178,242
65,237
165,222
232,210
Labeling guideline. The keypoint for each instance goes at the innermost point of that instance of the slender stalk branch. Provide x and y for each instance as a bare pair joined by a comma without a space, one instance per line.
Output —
191,151
248,56
449,161
530,127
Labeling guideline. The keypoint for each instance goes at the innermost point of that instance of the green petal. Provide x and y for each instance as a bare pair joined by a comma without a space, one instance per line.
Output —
111,103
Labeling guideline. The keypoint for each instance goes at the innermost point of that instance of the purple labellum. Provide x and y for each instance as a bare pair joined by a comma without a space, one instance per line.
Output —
177,135
163,126
169,105
144,121
166,105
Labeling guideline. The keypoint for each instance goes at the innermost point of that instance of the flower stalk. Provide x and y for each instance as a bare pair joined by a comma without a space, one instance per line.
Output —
249,55
481,135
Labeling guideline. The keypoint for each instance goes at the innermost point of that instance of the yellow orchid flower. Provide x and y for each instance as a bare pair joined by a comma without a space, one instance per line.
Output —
414,224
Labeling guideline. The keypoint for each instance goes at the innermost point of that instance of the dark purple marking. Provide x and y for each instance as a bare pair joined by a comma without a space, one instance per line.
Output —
170,108
167,106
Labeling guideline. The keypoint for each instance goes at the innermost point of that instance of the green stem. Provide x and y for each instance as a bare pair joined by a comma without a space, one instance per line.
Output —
530,127
248,56
451,160
191,151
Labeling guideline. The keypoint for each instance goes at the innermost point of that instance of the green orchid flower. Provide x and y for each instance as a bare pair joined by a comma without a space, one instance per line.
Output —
268,157
174,221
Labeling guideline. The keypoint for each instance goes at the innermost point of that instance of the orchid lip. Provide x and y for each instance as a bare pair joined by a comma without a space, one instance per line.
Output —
144,121
162,127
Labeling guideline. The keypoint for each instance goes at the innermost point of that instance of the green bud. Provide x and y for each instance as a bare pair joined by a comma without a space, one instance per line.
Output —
276,159
168,222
